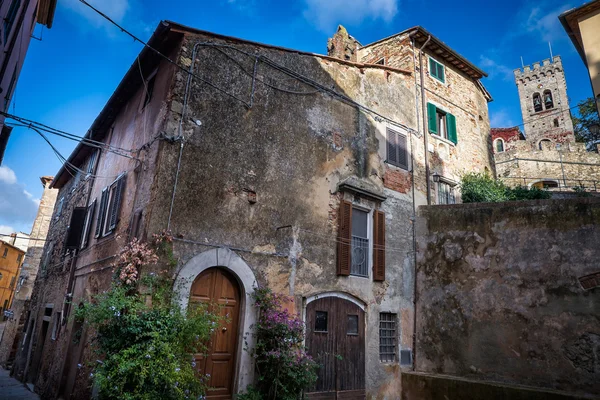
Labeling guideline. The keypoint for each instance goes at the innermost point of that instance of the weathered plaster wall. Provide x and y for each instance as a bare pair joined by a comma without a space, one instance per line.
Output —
292,150
498,294
525,160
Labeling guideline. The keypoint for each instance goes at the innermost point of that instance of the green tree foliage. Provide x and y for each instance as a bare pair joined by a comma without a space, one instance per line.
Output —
144,341
586,122
482,188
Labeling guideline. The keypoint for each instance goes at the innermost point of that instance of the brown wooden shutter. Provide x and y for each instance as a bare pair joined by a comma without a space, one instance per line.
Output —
115,207
378,246
344,258
101,213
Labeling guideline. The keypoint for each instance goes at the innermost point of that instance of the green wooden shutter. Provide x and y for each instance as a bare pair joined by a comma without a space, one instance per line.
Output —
432,118
451,119
432,67
441,74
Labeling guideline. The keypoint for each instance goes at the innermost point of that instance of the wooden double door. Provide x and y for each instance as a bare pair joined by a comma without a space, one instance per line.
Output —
220,290
335,338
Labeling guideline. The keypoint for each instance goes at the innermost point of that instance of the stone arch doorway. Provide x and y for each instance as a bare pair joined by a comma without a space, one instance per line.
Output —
235,270
335,338
220,290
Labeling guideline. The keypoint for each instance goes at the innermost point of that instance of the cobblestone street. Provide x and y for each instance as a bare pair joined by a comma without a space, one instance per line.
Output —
12,389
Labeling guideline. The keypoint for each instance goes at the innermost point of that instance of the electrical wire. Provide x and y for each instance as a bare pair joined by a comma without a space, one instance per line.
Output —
23,237
66,135
265,60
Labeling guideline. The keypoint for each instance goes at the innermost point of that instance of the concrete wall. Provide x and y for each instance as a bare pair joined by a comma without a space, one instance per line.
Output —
498,295
589,26
417,386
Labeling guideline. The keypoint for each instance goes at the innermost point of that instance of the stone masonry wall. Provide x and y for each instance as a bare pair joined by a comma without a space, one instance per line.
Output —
31,263
460,95
525,165
499,297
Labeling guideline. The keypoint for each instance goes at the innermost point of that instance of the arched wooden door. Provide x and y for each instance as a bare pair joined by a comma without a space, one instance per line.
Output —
335,338
220,289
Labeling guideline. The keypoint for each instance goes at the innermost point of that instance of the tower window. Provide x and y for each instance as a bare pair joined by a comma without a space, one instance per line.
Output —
548,102
543,143
556,122
537,102
499,145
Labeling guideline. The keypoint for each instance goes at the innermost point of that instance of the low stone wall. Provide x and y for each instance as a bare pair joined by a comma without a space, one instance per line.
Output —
499,296
416,386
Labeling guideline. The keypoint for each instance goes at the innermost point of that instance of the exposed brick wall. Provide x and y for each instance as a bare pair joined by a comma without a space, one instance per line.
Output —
397,180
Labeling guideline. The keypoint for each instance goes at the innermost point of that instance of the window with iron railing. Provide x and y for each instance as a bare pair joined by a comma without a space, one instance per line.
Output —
360,243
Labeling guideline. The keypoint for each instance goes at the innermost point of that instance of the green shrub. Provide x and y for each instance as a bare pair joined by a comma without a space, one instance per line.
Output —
145,342
482,188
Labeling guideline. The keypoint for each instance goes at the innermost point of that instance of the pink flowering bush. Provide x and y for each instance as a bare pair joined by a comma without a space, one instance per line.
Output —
284,368
133,256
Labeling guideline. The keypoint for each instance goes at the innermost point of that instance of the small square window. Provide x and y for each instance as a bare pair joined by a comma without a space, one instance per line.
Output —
321,321
437,70
352,328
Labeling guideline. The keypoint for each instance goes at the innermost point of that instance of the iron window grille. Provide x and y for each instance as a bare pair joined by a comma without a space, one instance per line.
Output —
387,337
446,193
360,243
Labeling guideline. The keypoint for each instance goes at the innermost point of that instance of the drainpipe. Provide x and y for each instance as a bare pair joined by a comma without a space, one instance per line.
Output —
424,111
180,130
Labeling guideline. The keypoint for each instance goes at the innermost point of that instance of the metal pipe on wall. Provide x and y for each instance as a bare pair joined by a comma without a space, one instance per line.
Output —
424,112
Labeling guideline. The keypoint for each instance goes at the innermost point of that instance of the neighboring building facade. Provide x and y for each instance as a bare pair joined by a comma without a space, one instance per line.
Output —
272,167
11,259
13,330
19,18
583,27
546,156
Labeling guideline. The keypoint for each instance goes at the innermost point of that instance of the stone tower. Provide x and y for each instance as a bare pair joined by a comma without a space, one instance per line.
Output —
544,103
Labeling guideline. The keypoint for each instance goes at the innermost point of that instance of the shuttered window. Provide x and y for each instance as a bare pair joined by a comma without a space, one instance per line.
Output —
114,204
101,213
397,150
88,225
437,70
76,228
441,123
354,242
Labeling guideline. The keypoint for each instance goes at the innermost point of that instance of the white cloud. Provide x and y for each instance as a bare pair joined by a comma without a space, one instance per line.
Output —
7,175
542,20
4,229
115,9
325,15
18,208
501,119
495,69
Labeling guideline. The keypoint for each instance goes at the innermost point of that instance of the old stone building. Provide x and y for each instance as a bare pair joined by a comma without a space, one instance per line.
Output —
14,327
546,155
272,167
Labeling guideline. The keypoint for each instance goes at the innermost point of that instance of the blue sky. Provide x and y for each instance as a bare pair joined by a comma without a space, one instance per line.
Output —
71,73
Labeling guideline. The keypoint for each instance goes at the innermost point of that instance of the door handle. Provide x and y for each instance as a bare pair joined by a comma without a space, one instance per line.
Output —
224,329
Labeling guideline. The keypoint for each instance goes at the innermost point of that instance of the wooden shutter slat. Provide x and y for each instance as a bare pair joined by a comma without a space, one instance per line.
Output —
392,152
116,203
451,120
344,258
402,151
378,246
88,224
101,213
432,118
